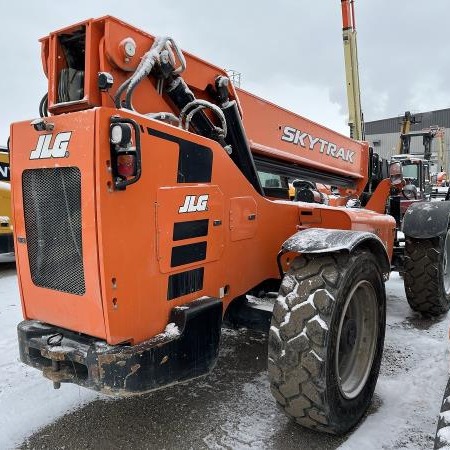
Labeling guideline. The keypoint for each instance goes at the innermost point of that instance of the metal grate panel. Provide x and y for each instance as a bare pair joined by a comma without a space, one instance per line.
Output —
52,205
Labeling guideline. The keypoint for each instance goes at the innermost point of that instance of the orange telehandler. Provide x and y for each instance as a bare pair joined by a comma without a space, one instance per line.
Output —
137,135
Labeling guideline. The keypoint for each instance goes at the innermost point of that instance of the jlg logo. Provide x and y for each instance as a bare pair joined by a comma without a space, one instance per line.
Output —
59,149
194,204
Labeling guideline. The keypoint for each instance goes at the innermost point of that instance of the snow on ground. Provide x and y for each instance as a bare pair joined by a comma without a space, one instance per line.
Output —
251,429
403,415
412,380
27,400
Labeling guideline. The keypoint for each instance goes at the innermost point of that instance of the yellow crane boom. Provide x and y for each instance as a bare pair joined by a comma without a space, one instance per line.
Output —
355,121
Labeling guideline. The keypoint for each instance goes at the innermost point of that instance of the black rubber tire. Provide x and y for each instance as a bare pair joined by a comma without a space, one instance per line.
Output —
301,366
443,426
423,276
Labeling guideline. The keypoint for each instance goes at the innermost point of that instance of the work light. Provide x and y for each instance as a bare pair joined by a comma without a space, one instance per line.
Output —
120,134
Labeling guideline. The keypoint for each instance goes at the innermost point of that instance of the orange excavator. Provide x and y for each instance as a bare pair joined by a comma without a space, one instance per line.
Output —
149,202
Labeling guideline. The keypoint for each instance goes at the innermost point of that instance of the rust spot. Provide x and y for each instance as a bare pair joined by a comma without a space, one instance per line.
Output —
95,373
134,368
53,354
63,375
107,359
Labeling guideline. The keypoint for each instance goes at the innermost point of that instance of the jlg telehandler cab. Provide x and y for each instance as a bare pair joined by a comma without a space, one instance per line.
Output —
151,196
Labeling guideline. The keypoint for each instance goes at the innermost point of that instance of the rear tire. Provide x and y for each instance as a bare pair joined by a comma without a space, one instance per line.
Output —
326,339
427,274
442,439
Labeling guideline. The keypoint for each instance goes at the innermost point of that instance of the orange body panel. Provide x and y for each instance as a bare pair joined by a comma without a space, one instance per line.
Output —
314,147
65,308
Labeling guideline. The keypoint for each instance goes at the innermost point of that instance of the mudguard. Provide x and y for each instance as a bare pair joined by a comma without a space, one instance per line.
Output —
319,240
426,219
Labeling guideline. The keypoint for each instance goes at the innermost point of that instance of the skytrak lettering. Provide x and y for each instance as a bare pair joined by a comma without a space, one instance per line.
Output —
305,140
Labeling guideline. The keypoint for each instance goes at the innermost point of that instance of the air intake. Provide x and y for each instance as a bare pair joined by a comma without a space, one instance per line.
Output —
52,205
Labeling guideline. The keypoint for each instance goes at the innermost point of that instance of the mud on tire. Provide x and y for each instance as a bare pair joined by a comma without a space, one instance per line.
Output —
426,285
310,377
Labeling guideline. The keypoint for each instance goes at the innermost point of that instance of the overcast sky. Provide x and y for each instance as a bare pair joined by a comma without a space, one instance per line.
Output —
288,51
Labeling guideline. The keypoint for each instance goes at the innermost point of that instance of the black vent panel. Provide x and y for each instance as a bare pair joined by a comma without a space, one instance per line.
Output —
52,206
185,283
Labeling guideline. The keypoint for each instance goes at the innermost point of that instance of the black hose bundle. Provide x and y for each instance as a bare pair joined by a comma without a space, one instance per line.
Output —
43,106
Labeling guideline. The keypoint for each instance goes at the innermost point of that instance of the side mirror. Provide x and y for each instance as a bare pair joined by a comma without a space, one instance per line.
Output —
396,174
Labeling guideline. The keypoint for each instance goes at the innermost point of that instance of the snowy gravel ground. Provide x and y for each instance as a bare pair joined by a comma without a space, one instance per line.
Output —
27,402
232,407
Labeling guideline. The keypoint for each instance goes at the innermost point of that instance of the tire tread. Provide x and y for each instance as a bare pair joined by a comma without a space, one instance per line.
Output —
423,286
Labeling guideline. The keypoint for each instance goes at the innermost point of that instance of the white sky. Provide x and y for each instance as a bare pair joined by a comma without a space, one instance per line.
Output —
288,51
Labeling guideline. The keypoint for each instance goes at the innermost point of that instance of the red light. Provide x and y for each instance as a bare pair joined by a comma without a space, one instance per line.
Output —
126,165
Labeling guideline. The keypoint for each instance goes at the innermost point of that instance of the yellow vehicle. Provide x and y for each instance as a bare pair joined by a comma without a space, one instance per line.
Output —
4,164
6,227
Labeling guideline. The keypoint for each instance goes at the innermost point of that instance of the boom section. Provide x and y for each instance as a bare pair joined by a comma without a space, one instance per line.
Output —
77,59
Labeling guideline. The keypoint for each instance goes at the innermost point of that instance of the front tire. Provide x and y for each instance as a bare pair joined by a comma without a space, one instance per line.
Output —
427,274
326,339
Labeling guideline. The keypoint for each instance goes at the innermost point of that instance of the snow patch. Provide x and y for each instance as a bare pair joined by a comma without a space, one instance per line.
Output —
281,300
276,331
410,397
303,333
286,319
444,437
310,300
316,355
171,331
320,321
27,399
252,428
60,348
446,416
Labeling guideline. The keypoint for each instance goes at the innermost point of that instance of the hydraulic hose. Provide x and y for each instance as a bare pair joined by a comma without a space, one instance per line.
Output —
145,66
43,106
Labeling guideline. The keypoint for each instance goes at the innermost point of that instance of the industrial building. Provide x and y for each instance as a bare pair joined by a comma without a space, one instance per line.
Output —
384,134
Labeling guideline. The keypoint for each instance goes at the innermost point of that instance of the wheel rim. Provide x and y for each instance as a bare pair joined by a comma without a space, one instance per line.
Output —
357,339
446,268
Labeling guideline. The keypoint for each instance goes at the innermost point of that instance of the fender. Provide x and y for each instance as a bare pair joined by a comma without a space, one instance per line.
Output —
319,240
426,219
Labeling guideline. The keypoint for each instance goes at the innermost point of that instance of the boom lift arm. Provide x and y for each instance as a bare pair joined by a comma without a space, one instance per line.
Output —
272,134
356,119
407,120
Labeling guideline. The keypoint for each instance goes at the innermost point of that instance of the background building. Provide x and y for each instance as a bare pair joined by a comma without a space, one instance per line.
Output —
384,134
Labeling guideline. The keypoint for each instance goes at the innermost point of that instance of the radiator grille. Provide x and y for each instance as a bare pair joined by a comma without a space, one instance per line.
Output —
52,206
